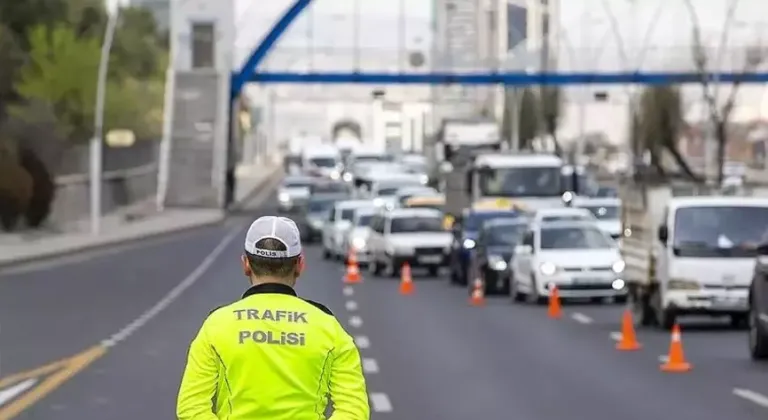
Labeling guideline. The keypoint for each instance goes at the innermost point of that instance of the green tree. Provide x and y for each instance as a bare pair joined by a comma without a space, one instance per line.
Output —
11,57
139,49
659,124
529,117
21,16
61,70
551,104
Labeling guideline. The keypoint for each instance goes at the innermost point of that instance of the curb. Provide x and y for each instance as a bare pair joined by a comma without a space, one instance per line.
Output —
139,237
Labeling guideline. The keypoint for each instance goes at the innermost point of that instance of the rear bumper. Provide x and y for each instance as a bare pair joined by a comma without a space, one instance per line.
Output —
704,303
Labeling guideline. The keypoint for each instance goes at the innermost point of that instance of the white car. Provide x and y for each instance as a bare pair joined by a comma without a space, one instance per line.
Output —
607,211
294,192
339,221
357,236
577,257
413,236
563,214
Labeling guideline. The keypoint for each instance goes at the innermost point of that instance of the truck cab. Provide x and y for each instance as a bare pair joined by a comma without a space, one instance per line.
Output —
689,251
532,180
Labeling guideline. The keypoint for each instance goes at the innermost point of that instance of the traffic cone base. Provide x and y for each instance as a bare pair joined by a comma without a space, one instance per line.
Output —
676,362
477,298
628,340
406,281
353,269
554,310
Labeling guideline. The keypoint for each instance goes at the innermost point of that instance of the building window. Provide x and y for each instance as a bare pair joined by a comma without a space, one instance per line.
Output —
545,25
203,45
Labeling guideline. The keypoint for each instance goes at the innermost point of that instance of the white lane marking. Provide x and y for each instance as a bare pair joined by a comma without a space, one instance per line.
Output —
370,365
362,342
348,291
174,293
351,305
752,396
380,402
616,336
9,394
356,321
581,318
663,358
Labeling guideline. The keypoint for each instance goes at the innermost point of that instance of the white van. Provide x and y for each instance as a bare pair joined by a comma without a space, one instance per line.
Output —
322,160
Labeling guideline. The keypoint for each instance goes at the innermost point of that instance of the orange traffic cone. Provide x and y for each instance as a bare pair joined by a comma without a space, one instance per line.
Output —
406,281
628,340
477,298
353,269
676,360
554,311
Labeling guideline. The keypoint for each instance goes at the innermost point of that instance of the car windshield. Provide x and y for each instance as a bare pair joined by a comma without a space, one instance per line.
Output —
364,220
719,231
319,206
416,224
604,212
474,221
574,238
521,182
297,184
334,187
387,191
347,214
323,162
503,235
564,217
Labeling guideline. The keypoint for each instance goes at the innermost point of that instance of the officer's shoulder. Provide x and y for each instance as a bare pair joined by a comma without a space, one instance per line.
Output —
217,309
319,306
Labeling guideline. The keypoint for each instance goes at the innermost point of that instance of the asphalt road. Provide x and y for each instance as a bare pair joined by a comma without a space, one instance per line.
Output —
429,355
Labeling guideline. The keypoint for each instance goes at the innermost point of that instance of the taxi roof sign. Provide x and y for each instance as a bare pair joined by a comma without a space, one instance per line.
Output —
497,204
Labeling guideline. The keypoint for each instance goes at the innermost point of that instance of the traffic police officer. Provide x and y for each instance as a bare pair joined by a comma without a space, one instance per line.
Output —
272,355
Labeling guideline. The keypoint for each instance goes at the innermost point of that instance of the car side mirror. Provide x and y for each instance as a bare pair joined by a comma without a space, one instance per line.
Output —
663,234
523,249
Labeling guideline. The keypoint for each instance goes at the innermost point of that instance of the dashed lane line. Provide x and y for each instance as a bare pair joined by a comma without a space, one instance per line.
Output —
351,305
581,318
616,336
380,402
356,321
362,342
348,291
751,396
370,365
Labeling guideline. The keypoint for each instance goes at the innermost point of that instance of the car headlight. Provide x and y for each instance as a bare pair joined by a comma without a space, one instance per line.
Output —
335,175
347,177
618,267
378,201
284,197
469,243
497,263
358,243
424,179
683,284
548,269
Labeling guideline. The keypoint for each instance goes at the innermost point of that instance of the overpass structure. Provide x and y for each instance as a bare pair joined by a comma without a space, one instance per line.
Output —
199,134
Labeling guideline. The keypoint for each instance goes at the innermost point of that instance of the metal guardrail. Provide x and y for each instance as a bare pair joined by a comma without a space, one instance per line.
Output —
74,179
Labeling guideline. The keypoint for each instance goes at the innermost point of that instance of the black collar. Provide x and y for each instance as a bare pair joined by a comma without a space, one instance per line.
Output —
277,288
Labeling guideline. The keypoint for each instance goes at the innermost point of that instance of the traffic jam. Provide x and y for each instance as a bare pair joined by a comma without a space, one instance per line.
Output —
527,227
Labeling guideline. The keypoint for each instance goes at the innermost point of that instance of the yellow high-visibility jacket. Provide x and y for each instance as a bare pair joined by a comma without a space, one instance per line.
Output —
272,356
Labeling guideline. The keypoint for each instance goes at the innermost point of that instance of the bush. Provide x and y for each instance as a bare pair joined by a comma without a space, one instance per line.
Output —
43,188
15,191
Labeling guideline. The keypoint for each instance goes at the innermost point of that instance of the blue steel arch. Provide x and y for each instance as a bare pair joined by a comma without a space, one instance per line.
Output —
249,73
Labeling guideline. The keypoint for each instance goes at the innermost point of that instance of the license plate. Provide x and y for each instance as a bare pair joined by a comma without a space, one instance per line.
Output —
431,259
587,280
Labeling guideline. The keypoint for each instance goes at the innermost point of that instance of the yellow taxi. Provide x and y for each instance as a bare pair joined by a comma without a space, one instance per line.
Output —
436,202
498,204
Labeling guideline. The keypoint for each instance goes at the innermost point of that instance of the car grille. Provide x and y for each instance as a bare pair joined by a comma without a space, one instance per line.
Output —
428,250
587,269
605,286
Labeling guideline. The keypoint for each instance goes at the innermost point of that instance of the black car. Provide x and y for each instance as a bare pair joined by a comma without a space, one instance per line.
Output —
495,245
313,216
758,306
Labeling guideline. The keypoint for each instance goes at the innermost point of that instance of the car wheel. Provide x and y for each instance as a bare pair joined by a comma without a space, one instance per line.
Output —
758,336
514,293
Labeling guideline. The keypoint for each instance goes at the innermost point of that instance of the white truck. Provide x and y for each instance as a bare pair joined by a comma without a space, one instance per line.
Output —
688,251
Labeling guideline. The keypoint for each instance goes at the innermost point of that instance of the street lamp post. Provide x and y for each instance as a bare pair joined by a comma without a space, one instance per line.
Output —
97,141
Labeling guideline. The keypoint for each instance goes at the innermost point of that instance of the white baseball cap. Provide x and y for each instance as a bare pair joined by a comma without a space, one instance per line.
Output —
281,229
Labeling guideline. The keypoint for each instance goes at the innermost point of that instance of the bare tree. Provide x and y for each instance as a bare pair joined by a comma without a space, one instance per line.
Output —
719,112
